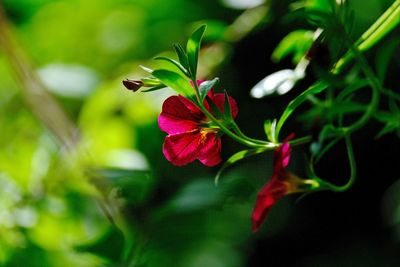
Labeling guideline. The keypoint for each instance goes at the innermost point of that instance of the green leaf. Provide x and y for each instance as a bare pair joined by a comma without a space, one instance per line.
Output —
236,157
183,59
175,82
193,48
227,108
296,43
391,121
387,22
150,81
154,88
175,63
383,116
206,86
312,90
388,128
269,128
146,69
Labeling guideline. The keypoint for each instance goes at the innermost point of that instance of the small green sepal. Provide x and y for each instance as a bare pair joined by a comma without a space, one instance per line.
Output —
206,86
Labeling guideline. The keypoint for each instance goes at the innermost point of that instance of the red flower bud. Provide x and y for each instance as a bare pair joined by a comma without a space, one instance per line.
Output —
132,85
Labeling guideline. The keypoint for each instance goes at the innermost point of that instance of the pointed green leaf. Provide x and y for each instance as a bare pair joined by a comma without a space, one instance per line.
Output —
175,82
227,108
154,88
296,43
183,59
312,90
146,69
236,157
269,128
384,116
193,48
205,87
150,82
390,127
175,63
392,122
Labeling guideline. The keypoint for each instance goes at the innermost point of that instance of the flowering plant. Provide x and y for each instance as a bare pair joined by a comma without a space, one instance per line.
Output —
197,117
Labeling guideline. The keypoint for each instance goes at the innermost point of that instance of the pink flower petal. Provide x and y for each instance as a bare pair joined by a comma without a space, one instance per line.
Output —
219,100
179,115
210,152
274,190
282,154
181,149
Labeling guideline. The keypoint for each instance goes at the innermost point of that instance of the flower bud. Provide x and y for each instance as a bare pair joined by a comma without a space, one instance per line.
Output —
132,85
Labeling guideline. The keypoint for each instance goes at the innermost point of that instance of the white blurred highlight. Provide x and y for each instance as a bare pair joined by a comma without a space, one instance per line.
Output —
72,81
242,4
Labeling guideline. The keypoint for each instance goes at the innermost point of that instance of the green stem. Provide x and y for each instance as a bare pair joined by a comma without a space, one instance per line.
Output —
301,140
239,132
239,137
375,85
383,25
324,185
233,135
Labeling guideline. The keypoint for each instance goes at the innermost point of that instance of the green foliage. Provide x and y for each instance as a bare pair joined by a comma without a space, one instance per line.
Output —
296,43
193,48
206,86
175,82
175,63
315,89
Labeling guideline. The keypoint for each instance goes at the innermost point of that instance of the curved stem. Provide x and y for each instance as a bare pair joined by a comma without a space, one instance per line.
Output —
384,24
324,185
375,85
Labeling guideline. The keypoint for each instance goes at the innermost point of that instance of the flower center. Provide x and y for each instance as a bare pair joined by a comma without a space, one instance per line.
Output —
207,127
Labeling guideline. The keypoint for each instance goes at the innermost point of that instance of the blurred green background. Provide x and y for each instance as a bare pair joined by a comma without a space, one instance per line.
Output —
113,200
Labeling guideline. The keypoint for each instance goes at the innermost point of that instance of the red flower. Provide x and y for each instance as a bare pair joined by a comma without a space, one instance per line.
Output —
281,184
191,134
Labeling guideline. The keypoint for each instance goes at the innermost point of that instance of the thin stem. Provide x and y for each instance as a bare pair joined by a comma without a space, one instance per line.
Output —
236,128
324,185
375,85
301,140
232,134
384,24
240,137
